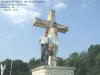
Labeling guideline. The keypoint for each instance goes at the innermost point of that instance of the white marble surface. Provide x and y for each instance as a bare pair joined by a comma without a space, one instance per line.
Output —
53,70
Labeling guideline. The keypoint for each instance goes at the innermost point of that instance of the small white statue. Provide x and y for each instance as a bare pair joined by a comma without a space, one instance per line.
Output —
53,44
3,67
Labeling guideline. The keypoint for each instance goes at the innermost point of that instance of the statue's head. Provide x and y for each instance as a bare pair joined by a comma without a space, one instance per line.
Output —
54,24
45,32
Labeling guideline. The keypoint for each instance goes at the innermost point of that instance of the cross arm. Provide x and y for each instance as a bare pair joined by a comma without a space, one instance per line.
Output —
62,28
46,24
40,23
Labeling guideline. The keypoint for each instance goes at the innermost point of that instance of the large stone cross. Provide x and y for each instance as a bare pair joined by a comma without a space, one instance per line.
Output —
48,23
53,28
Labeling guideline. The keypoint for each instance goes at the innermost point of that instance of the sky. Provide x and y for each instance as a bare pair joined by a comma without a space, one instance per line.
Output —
19,39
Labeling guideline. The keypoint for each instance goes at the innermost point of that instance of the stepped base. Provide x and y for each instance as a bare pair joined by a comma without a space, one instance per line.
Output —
53,70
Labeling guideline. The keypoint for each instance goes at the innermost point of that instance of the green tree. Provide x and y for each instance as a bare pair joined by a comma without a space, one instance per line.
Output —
18,67
60,61
8,64
33,64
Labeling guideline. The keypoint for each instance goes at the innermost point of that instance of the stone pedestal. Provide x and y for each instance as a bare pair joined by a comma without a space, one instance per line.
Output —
53,70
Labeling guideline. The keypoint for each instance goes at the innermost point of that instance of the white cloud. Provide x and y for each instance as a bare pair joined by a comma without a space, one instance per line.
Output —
83,5
23,14
30,11
60,5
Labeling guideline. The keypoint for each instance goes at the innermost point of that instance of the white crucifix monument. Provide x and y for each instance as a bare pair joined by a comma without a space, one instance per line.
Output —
53,28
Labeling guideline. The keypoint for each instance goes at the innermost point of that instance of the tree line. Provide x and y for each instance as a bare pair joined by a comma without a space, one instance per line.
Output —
85,62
